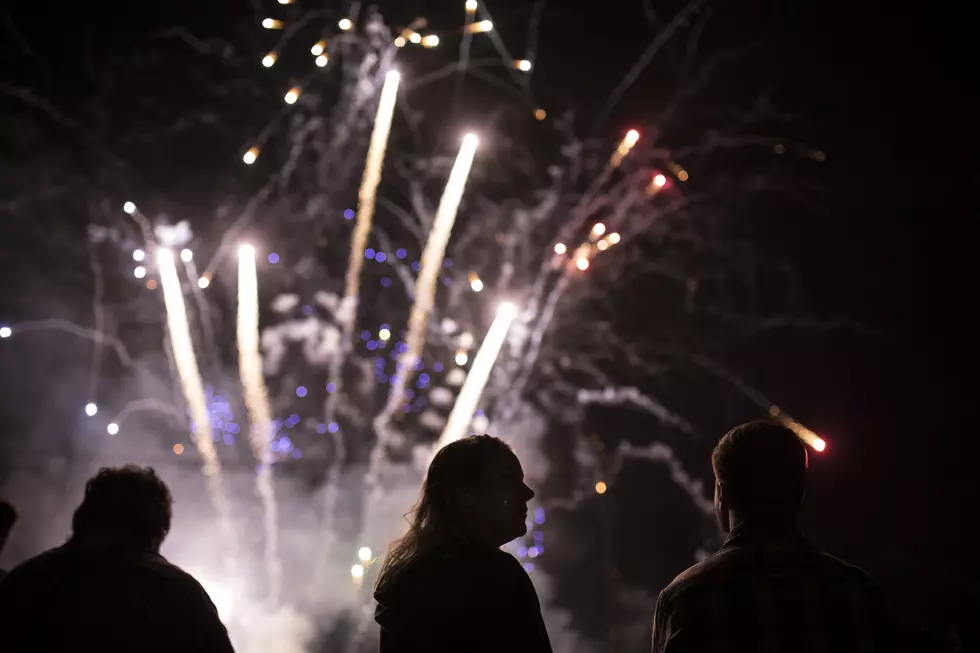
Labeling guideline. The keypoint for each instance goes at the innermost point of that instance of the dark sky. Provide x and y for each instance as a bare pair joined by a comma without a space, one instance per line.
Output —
897,488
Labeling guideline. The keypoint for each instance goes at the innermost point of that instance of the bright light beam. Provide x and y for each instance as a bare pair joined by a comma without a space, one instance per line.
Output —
425,284
257,403
192,386
365,198
469,395
802,432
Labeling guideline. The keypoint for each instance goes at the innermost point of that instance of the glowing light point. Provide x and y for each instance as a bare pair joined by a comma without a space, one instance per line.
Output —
384,334
269,60
522,64
632,136
292,95
250,156
345,24
285,2
357,571
819,444
415,37
112,429
682,175
430,41
481,26
659,180
599,229
476,285
602,245
246,251
364,554
91,409
139,255
540,114
560,248
140,272
470,6
272,23
507,310
461,358
129,208
186,255
322,60
179,448
613,238
6,332
400,42
471,140
203,283
582,264
600,488
318,48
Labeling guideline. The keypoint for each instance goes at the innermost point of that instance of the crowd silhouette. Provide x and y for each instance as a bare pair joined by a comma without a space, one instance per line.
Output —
446,586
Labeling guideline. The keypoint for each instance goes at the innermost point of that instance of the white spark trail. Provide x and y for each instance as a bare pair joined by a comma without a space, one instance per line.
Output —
426,283
193,387
469,396
259,413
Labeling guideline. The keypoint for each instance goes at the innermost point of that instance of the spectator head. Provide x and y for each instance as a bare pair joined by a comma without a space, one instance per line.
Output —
760,474
128,502
474,490
7,518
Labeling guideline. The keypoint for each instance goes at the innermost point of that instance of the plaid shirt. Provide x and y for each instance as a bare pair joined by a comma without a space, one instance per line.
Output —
768,591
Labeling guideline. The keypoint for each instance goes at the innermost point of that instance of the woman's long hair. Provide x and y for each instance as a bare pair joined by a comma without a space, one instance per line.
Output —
437,520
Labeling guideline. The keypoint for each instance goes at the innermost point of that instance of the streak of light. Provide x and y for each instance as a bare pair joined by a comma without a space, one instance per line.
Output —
345,24
292,95
250,156
257,403
560,248
469,395
269,60
318,48
192,386
272,23
478,27
802,432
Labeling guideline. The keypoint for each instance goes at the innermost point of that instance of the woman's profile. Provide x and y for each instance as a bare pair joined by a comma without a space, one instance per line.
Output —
446,586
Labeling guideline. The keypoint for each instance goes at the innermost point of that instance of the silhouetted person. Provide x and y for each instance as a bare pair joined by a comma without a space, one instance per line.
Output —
767,589
108,589
7,518
446,587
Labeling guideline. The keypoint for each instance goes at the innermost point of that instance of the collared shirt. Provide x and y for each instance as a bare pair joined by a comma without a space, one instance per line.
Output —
768,590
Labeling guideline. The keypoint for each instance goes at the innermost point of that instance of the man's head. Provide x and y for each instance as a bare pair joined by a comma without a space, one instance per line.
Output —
760,474
129,502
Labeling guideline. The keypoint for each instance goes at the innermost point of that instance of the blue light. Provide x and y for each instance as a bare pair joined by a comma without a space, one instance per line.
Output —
297,454
409,395
380,257
349,214
382,378
229,439
331,387
232,428
437,367
539,538
479,413
333,427
416,266
521,551
365,335
401,253
385,282
321,428
301,391
538,517
529,567
448,263
402,347
419,365
368,253
406,408
371,345
447,281
273,258
307,310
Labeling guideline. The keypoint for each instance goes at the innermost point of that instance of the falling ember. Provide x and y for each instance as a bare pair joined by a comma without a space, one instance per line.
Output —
682,175
272,23
602,245
522,64
322,60
129,208
415,37
540,114
191,384
582,264
600,488
203,283
430,41
613,238
659,180
250,156
631,138
366,198
345,24
469,395
257,403
178,449
292,95
399,42
475,283
269,60
461,357
802,432
318,48
599,229
470,6
560,248
481,26
425,284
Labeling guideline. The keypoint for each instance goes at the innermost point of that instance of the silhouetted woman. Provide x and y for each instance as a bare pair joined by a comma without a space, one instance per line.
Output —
446,587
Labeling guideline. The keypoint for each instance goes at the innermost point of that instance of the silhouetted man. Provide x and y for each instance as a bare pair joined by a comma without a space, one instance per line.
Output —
7,518
108,589
767,589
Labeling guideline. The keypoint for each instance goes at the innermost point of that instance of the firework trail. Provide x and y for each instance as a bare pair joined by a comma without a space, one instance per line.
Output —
469,395
257,402
192,386
425,284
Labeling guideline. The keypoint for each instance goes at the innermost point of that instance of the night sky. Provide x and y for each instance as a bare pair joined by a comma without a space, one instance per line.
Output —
896,490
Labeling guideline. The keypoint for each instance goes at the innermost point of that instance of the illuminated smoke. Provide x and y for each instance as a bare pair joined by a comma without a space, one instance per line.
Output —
425,284
469,396
257,402
192,386
365,200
